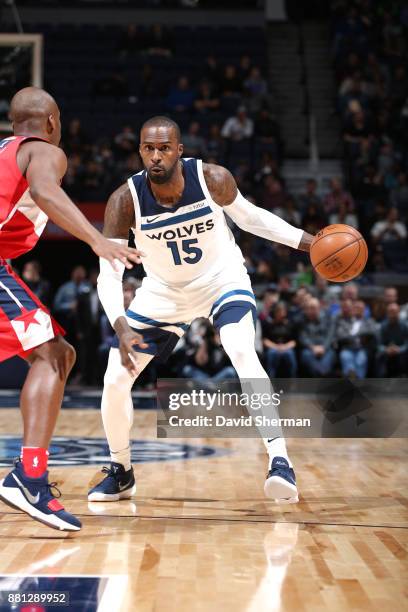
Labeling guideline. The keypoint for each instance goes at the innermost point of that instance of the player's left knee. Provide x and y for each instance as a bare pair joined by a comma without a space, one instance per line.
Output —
241,355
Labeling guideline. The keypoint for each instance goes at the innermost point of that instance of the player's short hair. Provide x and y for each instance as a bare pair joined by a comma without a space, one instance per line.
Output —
162,121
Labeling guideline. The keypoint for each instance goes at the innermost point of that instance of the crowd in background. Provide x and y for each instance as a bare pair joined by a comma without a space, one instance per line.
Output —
315,330
226,116
226,113
370,52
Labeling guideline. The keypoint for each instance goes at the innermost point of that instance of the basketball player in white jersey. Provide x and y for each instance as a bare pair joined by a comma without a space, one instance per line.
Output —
176,209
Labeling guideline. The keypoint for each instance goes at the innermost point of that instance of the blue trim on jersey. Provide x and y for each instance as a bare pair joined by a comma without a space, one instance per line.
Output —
233,312
178,219
229,294
192,191
7,304
142,319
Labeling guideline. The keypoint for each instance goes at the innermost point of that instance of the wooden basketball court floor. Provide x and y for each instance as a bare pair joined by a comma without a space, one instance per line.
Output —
199,534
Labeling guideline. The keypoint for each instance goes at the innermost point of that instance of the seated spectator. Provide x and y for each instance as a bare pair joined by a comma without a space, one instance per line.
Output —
211,71
289,213
269,299
272,195
279,342
159,41
93,183
180,98
267,134
350,291
342,216
230,84
357,128
313,219
194,144
65,304
31,275
125,142
131,41
131,165
215,142
297,307
336,197
393,344
72,181
256,89
244,66
380,305
239,127
353,336
74,139
390,295
265,271
315,341
309,196
354,97
206,101
390,230
286,262
386,158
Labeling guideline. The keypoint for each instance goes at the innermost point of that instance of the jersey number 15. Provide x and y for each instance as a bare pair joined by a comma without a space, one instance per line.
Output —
194,253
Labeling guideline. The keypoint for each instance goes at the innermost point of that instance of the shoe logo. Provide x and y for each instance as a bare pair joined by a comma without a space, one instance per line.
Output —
122,487
33,499
152,219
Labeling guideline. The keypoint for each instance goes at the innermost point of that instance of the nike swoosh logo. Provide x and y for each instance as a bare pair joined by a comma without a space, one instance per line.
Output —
151,220
122,487
33,499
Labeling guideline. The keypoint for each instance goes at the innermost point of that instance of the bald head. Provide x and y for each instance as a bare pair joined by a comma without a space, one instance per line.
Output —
34,111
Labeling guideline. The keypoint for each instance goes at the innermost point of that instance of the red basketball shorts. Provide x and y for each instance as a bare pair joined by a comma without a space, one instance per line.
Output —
25,322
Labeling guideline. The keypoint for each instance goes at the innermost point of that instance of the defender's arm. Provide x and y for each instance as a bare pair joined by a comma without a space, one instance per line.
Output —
247,216
45,166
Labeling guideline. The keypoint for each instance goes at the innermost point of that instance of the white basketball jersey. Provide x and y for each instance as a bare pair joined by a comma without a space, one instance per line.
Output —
188,241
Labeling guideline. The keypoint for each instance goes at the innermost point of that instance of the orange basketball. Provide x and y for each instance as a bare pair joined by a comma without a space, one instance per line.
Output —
338,253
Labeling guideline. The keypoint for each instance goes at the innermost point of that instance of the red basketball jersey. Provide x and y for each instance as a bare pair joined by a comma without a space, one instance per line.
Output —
21,220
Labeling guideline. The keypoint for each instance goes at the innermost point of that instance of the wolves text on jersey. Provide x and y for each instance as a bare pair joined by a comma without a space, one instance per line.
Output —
182,232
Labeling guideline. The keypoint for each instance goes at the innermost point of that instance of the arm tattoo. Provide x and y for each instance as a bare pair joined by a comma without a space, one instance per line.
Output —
119,214
221,184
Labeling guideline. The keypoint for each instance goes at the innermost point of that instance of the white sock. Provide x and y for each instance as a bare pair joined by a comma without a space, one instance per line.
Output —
122,457
238,340
276,448
117,406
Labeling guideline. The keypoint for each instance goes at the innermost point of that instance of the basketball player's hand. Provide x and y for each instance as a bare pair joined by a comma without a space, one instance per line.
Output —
112,251
129,357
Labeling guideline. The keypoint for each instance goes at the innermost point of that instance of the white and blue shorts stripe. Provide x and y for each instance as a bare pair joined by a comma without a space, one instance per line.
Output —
232,306
172,314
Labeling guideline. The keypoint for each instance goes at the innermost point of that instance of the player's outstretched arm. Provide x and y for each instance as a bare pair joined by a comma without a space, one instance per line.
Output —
45,167
223,189
119,218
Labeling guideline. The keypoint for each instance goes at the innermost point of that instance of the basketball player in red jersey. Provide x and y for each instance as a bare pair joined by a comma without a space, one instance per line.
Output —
31,169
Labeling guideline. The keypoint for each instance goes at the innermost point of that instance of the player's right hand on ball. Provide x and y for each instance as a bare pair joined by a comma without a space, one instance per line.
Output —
112,251
128,356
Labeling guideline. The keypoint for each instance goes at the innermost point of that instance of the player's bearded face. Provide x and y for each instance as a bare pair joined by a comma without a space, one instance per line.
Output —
161,173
